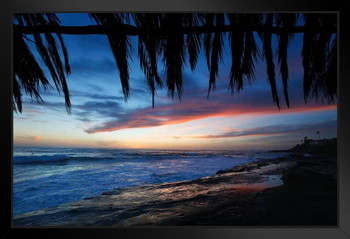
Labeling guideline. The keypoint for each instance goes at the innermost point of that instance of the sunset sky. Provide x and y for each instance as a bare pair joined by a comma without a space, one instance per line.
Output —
101,118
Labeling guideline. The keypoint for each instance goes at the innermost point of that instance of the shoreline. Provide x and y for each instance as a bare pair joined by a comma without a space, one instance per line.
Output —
247,194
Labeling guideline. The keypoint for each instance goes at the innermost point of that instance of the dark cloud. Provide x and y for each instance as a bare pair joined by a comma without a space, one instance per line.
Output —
95,110
88,111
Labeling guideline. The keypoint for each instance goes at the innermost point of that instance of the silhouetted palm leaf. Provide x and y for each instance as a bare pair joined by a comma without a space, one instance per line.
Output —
149,47
55,21
207,20
26,71
285,21
250,49
49,53
193,41
319,59
173,52
330,74
17,95
267,52
216,51
236,38
120,45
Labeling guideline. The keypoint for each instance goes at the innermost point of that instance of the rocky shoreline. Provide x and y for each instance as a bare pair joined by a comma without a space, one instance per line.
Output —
294,190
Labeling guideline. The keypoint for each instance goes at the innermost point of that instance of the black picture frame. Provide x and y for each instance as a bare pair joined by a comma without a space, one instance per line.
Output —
342,8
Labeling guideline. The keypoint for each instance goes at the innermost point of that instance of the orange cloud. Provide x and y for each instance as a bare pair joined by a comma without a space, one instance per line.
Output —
35,138
194,110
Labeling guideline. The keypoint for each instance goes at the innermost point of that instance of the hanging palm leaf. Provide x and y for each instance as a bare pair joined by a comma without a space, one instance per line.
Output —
267,52
216,51
48,51
236,39
27,73
173,52
285,21
319,58
193,41
251,51
149,47
119,43
207,20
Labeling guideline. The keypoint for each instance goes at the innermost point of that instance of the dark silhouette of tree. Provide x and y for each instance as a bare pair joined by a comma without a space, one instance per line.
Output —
27,72
170,37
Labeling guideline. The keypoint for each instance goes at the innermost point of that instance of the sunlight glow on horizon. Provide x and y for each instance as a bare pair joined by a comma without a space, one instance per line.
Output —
188,135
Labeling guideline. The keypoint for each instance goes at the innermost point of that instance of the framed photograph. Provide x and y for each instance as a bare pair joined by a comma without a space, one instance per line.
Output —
198,119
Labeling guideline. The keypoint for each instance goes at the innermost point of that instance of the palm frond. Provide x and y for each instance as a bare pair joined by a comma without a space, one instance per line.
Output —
319,58
27,73
267,52
306,55
149,49
236,39
193,41
216,52
17,96
48,50
174,53
330,74
251,51
207,20
285,21
120,45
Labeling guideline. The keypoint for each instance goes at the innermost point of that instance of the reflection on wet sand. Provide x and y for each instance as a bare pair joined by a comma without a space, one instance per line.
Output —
168,203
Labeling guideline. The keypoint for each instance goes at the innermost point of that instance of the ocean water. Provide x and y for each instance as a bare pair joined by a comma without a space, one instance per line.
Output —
45,177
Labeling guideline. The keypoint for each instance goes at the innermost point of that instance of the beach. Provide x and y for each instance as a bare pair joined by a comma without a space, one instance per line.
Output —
297,189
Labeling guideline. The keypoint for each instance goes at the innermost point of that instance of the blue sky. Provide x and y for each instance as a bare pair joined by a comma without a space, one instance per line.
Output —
101,118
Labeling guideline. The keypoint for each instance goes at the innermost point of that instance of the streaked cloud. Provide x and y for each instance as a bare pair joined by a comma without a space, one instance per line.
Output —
33,138
272,130
189,111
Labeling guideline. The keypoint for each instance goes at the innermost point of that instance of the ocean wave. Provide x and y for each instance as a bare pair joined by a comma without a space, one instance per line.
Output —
46,159
61,158
39,159
176,154
124,156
